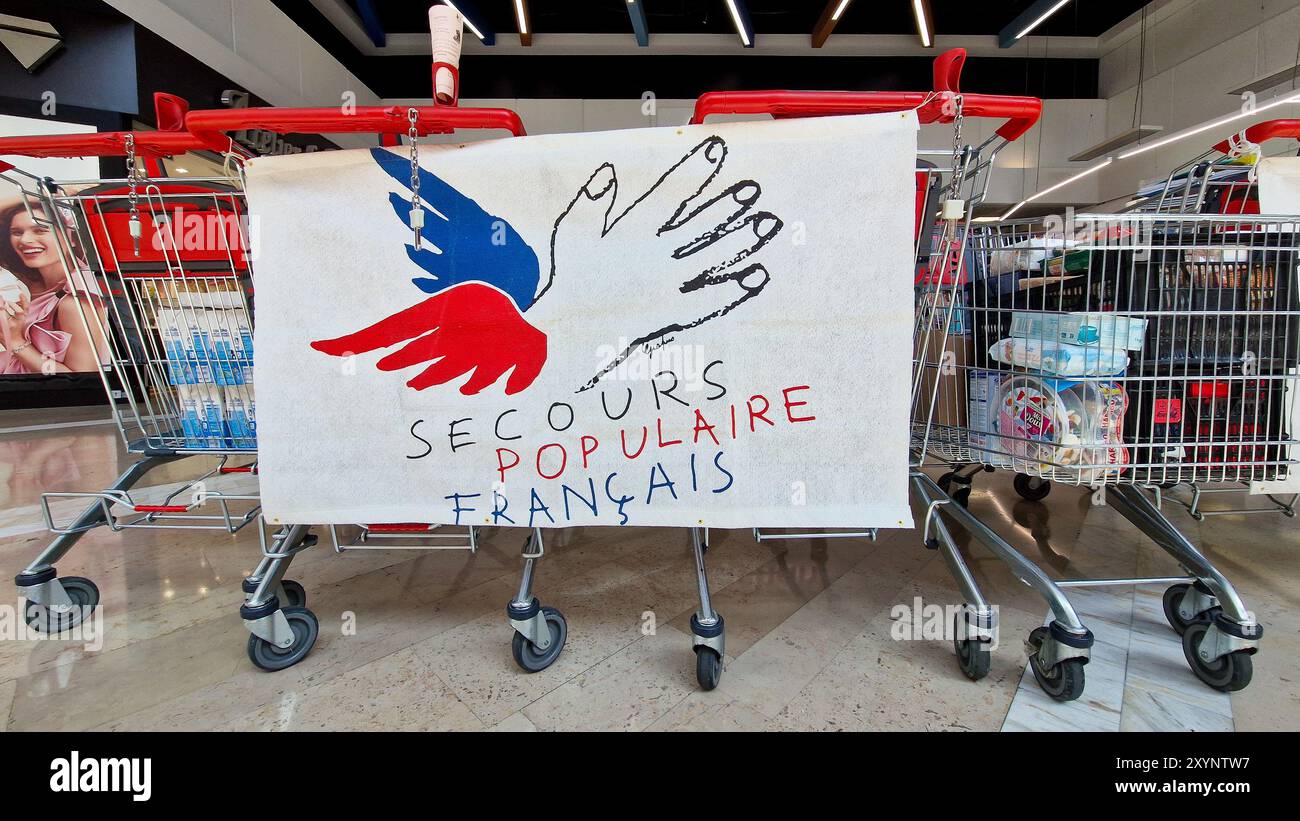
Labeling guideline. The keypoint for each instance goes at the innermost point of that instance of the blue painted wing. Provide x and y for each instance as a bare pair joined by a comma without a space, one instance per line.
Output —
472,245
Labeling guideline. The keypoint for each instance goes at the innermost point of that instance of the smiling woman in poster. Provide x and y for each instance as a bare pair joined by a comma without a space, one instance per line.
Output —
43,331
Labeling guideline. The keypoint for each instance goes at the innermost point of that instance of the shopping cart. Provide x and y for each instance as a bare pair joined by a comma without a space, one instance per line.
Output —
1223,181
1125,353
173,263
165,314
282,629
967,175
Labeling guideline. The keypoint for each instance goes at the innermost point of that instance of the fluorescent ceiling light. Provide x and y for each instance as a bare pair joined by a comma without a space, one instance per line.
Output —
1061,184
1211,124
1044,16
839,10
1172,138
735,18
923,25
519,15
468,23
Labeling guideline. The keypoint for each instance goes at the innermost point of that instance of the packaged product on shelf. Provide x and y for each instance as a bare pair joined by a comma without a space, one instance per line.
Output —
983,390
231,344
1059,358
177,347
202,415
241,417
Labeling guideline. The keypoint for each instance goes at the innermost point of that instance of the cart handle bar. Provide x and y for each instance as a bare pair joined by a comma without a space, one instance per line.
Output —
100,144
935,106
1267,130
209,125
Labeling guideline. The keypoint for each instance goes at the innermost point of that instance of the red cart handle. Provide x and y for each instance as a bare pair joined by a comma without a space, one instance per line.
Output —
101,144
209,125
938,106
1261,132
170,139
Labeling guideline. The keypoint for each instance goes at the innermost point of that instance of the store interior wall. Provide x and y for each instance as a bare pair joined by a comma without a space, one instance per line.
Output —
1197,52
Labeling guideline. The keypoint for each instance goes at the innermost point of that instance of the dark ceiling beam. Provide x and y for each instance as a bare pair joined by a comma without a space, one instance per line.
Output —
370,22
826,23
636,11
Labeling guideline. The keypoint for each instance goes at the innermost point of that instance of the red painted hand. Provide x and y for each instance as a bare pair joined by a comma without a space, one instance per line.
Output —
470,327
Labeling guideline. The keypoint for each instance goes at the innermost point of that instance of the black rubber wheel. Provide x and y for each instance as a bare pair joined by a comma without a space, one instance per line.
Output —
1031,488
528,657
295,594
84,594
1227,673
961,496
945,482
708,667
1173,595
305,630
1064,681
973,655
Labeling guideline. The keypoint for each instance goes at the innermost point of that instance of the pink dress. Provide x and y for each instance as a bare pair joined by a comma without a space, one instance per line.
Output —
42,316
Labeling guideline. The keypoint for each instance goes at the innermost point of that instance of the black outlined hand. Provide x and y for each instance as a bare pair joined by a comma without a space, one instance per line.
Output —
679,255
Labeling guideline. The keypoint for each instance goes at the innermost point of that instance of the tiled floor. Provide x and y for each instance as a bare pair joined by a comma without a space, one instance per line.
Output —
809,623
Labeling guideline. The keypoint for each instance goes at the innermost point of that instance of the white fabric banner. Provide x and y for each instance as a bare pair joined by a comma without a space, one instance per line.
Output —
707,325
1279,194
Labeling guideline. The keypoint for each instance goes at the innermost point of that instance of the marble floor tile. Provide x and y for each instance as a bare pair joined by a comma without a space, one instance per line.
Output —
7,690
396,692
706,712
1158,710
630,690
514,723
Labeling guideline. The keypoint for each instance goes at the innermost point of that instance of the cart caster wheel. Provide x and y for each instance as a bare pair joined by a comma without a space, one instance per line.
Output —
1031,488
1172,597
956,487
1064,681
1228,673
708,667
83,593
528,657
295,594
973,655
305,628
945,482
